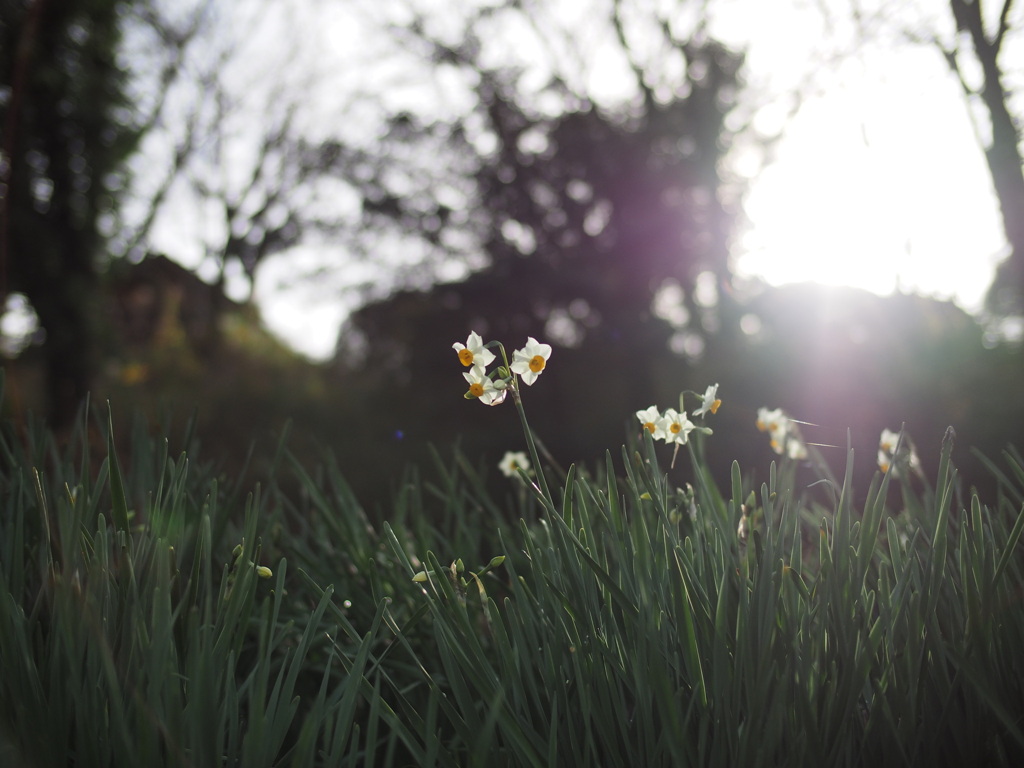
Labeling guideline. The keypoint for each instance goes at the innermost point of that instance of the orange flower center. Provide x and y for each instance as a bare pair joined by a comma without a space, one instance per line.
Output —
649,426
465,357
537,363
476,388
714,406
676,427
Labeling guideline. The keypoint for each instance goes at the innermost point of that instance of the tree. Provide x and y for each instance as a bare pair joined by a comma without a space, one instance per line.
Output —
976,45
566,199
117,114
241,166
1002,145
585,210
64,145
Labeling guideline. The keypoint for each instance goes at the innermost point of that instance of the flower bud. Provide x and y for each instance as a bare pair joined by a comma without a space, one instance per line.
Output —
263,572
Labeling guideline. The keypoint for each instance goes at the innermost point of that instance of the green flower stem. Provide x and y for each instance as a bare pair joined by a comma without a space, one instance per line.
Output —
531,446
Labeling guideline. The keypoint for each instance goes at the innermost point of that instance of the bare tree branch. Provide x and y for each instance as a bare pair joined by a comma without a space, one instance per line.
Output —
628,52
1004,24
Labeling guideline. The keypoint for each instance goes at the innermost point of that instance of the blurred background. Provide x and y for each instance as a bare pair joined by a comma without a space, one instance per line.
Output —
255,213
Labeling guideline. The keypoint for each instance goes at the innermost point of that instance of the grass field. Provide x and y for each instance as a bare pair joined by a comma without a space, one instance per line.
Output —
155,612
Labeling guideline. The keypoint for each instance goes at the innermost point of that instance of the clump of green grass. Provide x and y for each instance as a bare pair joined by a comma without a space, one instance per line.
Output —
135,627
600,616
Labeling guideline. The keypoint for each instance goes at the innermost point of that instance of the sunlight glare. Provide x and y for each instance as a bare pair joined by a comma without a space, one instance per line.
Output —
880,186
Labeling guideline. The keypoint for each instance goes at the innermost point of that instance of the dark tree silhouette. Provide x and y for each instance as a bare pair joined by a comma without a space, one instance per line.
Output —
81,85
976,56
591,208
1002,151
584,215
63,149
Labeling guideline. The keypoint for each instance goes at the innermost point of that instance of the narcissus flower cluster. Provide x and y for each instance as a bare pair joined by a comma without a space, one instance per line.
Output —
673,426
491,388
784,433
888,455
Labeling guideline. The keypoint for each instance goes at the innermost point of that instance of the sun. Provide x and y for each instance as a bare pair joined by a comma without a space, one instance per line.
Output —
884,199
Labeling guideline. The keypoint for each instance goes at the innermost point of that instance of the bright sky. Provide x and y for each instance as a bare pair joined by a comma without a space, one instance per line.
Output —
881,188
878,183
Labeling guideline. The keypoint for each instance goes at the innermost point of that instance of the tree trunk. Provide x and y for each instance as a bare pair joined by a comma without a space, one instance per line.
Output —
63,143
1006,167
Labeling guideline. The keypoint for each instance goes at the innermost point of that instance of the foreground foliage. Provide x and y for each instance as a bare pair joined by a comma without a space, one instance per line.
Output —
617,620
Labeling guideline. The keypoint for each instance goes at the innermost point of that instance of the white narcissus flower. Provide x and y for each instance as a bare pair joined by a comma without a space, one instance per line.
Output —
483,388
887,442
513,461
651,420
531,360
711,402
775,422
795,447
675,426
785,434
887,449
473,353
915,463
887,453
884,460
